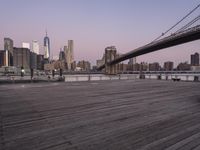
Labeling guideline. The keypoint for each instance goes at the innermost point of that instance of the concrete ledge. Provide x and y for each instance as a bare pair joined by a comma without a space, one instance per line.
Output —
31,81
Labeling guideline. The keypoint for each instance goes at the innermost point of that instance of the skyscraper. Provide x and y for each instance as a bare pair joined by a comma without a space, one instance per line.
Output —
71,49
132,64
33,60
62,55
69,54
46,47
67,57
2,58
35,47
8,47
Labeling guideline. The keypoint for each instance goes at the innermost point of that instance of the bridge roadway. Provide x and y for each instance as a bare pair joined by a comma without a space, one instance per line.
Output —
103,115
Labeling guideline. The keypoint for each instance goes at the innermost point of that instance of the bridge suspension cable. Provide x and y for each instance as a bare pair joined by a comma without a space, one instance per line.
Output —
178,22
189,24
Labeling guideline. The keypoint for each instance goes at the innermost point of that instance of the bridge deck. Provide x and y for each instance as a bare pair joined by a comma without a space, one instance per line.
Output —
126,115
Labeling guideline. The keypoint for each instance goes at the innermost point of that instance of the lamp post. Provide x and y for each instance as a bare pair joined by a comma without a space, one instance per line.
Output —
22,71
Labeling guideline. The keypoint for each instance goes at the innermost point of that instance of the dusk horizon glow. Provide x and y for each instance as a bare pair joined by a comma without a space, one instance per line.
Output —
96,24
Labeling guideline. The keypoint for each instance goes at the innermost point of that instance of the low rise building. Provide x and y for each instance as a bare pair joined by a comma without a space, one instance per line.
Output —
168,66
154,66
40,62
84,65
100,62
184,66
195,68
122,67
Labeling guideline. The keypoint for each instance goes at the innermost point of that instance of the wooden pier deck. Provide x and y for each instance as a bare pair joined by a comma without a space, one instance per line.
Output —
103,115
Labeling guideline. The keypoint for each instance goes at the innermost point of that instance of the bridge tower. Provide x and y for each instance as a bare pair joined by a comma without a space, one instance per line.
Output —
110,55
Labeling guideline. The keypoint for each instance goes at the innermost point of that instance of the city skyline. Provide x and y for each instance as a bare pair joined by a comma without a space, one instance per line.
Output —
94,25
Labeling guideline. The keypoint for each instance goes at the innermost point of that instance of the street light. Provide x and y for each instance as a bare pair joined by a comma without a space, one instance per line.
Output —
22,71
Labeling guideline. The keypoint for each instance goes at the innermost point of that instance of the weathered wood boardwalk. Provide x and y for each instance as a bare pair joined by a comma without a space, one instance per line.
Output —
105,115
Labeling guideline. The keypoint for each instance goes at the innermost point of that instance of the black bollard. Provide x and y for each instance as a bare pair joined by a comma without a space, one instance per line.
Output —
53,73
31,73
61,72
159,77
196,78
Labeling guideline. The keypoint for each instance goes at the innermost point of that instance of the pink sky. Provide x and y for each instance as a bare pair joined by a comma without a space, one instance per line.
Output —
95,24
